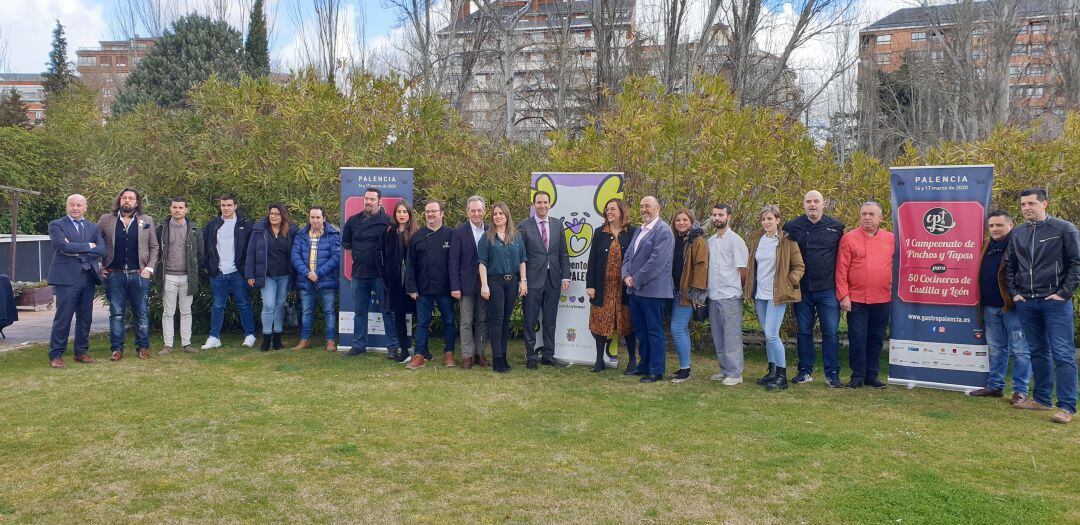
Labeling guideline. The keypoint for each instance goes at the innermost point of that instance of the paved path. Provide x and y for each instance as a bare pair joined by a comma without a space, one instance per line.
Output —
34,327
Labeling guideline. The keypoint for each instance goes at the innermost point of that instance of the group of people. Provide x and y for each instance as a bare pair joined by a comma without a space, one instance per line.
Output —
637,276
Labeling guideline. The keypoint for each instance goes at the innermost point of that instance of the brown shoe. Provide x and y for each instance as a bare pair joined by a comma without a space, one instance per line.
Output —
466,363
116,356
448,360
85,358
985,392
417,361
1017,397
144,353
57,363
302,345
165,351
1031,404
331,346
482,361
190,349
1062,416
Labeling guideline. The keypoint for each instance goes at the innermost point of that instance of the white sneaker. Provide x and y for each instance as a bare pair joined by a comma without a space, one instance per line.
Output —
718,377
249,341
731,381
212,342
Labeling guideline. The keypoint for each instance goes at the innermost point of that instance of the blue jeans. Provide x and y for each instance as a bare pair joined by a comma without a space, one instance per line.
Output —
222,286
647,316
126,290
823,305
274,293
362,305
307,312
390,328
1005,336
425,306
866,335
680,330
1049,329
770,315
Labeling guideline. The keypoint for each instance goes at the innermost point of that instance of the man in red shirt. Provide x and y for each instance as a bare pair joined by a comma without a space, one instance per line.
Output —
864,289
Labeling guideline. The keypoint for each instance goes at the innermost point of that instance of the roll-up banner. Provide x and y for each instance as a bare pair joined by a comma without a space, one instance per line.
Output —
577,199
396,185
937,339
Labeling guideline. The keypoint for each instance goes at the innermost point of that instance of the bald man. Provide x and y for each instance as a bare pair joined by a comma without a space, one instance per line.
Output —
818,236
646,272
78,247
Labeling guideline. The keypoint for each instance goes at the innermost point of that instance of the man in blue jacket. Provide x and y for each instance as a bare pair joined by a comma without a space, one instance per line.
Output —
646,270
78,247
316,256
465,283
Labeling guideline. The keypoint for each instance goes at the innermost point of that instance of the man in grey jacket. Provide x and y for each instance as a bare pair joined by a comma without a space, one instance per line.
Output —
547,271
131,252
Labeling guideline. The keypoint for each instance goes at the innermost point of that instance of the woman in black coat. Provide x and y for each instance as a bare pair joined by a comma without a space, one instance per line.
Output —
609,315
396,304
268,267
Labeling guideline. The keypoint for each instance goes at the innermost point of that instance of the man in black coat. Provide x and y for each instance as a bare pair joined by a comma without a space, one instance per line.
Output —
427,281
362,237
225,240
78,247
465,283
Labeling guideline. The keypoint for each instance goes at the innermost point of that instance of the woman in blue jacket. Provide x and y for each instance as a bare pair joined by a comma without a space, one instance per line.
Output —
267,267
316,258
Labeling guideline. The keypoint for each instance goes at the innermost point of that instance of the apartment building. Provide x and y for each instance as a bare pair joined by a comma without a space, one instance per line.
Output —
31,90
105,68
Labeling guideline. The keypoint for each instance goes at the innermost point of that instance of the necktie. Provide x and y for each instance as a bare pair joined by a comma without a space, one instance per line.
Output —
544,233
80,228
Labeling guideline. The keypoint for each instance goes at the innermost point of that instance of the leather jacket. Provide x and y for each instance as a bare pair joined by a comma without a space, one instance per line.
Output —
1043,258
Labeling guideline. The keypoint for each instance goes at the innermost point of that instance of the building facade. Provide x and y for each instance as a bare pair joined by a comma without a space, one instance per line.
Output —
105,68
31,90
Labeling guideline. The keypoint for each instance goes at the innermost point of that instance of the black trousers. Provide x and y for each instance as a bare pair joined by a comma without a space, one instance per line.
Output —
73,300
500,306
541,302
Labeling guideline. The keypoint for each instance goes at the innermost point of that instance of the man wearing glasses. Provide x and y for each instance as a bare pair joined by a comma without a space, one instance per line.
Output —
427,281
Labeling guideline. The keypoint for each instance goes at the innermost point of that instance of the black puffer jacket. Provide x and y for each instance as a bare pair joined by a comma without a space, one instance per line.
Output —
1043,258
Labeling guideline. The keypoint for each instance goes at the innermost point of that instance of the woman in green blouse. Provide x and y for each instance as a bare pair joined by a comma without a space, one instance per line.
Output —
502,271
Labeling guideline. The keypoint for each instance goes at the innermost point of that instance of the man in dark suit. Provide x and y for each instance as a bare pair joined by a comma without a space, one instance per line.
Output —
77,250
465,283
547,272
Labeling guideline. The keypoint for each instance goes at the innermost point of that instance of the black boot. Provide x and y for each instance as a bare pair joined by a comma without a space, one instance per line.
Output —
780,381
767,378
392,353
631,353
265,347
602,345
277,341
499,364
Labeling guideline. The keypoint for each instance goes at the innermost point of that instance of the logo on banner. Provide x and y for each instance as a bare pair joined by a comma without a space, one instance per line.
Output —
938,221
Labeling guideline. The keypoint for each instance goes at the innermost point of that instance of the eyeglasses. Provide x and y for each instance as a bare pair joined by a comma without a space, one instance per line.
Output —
432,211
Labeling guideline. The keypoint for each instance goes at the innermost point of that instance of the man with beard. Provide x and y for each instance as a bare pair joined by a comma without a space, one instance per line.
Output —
362,236
131,253
728,259
427,281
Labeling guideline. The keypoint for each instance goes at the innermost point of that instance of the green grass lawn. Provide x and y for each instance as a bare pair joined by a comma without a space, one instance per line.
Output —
235,435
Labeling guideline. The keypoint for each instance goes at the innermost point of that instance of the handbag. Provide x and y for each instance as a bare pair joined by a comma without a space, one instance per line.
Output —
701,312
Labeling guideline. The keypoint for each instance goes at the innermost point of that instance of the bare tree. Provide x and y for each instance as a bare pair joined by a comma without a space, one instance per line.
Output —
319,43
508,45
1063,36
144,17
674,13
3,48
610,21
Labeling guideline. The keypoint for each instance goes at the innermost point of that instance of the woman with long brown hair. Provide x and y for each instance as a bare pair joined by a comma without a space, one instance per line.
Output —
395,302
502,256
268,267
609,315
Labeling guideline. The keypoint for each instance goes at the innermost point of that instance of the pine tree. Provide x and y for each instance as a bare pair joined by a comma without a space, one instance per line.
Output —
194,49
59,75
12,110
256,49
